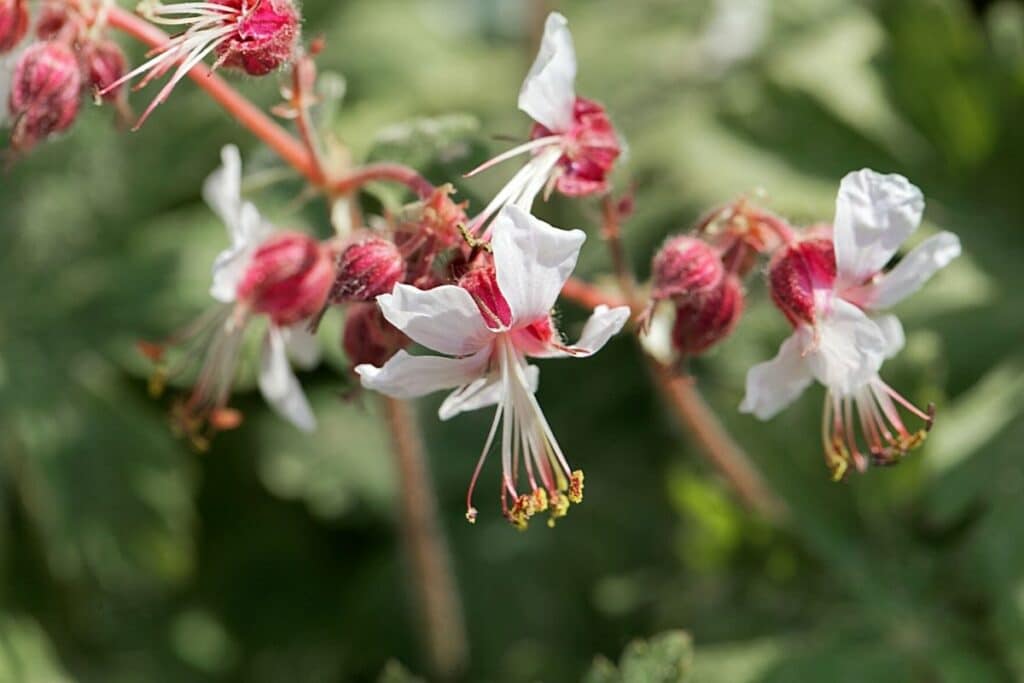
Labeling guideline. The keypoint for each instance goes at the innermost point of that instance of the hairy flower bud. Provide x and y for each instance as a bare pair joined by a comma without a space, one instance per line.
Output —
796,272
13,23
741,231
367,269
104,62
288,278
685,267
45,93
264,37
702,322
590,148
368,337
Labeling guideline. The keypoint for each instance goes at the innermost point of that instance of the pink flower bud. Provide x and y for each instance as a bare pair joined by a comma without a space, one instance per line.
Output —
52,19
104,63
13,23
264,37
288,278
702,322
796,272
367,269
45,93
368,337
685,267
741,231
482,284
591,148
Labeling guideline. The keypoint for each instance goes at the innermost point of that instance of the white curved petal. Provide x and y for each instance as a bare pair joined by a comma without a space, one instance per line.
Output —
892,330
875,214
532,261
444,319
279,385
222,189
774,384
302,346
916,268
845,350
604,323
482,392
407,376
548,93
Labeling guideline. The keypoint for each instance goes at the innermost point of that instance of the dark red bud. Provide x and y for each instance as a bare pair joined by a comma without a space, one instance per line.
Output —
45,93
105,63
13,23
685,267
288,278
796,272
367,269
702,322
368,337
591,148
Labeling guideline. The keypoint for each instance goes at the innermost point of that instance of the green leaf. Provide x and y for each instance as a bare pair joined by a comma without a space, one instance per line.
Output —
26,654
665,658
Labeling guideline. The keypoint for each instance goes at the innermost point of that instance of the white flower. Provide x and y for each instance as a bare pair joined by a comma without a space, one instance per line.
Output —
489,327
835,341
573,144
217,336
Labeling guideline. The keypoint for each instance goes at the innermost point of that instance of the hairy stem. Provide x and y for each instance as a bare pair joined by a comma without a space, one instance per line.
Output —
681,396
425,547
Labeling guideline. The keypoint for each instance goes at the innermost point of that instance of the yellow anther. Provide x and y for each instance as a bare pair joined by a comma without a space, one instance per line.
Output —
540,500
471,515
559,505
576,486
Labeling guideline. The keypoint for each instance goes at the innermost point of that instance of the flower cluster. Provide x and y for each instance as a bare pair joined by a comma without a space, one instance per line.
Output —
68,58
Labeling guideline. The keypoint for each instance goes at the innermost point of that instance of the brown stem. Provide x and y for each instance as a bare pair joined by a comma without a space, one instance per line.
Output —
681,396
440,609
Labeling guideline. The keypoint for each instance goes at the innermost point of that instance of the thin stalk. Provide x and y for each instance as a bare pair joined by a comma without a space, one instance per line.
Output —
443,628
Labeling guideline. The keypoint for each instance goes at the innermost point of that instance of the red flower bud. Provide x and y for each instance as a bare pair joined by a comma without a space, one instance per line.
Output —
796,272
482,284
104,63
741,231
685,267
368,337
367,269
702,322
591,148
13,23
264,37
288,278
52,19
45,93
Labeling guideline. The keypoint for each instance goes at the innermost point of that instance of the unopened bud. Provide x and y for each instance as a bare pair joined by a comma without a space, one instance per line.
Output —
105,62
685,267
796,273
45,93
741,231
13,23
288,278
368,337
367,269
264,38
704,321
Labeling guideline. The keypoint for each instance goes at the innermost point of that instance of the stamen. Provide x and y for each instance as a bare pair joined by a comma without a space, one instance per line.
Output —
514,152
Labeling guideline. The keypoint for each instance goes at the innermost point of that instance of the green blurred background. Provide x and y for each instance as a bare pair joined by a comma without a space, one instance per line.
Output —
125,556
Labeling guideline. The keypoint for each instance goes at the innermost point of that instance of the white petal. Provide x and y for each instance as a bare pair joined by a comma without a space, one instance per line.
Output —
482,392
603,324
532,261
548,93
657,340
892,330
302,346
280,386
845,350
223,188
774,384
910,274
444,319
406,376
875,214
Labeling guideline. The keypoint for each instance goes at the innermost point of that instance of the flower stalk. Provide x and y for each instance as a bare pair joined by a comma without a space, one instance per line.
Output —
442,624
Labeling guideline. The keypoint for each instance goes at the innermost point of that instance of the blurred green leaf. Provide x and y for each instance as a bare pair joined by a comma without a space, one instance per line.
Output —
665,658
